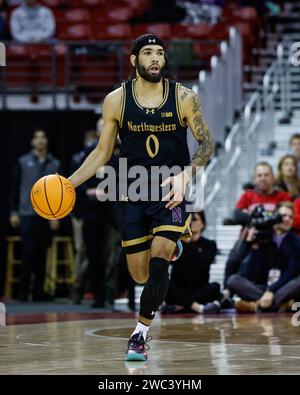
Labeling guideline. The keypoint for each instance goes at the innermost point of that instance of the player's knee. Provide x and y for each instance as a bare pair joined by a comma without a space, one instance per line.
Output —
163,251
138,275
140,278
159,268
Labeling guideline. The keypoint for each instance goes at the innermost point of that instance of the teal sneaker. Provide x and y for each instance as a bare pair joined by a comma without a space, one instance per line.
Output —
137,348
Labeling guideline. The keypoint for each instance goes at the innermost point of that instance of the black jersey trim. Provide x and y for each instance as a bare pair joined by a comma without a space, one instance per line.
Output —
182,123
123,104
165,96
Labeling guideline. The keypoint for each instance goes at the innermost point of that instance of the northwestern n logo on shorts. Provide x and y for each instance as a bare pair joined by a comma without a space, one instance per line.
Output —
176,214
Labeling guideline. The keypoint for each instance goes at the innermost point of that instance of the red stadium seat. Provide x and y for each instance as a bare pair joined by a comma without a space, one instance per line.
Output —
74,32
84,3
196,31
113,15
161,29
94,76
76,15
112,32
246,13
52,3
205,51
139,5
220,31
29,65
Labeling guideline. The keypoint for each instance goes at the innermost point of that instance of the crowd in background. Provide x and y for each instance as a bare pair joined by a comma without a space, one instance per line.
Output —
262,272
33,22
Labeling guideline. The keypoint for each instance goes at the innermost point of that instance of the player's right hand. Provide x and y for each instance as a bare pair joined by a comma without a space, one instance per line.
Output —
14,220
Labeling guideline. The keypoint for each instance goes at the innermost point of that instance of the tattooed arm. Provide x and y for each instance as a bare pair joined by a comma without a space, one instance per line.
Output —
191,112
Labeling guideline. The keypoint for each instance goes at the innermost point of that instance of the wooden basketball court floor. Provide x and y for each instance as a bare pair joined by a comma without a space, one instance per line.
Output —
96,343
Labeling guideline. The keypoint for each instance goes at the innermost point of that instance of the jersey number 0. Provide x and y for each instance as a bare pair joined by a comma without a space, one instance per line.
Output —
154,140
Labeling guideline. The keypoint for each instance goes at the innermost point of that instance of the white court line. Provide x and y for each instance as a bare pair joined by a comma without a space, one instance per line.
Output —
90,332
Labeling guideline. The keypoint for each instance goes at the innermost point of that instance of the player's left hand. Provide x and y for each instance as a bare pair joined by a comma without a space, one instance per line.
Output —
178,186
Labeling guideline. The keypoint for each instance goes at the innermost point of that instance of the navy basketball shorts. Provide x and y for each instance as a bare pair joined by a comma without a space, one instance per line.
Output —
139,222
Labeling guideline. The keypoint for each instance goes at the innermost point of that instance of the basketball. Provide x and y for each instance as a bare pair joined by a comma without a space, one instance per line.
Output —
53,197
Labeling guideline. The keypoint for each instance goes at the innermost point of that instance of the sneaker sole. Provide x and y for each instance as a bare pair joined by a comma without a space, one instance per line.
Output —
135,357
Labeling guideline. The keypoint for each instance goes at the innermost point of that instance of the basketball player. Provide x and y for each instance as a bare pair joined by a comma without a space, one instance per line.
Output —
150,230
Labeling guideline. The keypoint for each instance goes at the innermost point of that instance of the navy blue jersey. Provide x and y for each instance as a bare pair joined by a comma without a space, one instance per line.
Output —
153,136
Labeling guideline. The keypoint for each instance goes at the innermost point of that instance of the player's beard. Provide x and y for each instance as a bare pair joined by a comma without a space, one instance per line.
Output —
143,72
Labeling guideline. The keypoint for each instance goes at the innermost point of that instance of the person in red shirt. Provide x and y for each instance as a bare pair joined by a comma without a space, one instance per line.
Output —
296,225
264,194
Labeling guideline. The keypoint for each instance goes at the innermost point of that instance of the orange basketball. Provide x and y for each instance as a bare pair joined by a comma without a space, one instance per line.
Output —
53,197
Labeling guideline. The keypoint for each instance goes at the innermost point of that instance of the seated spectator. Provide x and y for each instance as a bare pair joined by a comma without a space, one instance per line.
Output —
294,144
189,287
204,11
270,274
32,23
3,20
287,179
296,225
263,194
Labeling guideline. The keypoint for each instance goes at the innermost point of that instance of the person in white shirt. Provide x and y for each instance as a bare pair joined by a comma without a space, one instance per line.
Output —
32,23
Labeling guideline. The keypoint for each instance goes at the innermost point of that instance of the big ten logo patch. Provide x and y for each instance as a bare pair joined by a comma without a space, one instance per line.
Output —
166,114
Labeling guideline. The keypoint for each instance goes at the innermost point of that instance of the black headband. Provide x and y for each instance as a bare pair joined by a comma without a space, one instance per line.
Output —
145,39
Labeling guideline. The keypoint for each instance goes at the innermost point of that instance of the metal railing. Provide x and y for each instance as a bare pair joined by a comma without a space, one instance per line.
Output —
241,145
220,90
89,70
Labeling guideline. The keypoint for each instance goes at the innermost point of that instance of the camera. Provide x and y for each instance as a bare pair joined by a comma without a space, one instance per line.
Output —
263,222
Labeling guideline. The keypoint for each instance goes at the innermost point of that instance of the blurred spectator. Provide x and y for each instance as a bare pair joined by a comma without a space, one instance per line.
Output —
270,274
34,230
201,11
32,23
287,179
100,236
161,11
81,269
94,215
3,20
296,225
189,287
263,194
295,149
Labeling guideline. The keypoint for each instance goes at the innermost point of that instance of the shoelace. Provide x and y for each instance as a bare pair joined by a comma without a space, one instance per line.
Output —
143,343
146,345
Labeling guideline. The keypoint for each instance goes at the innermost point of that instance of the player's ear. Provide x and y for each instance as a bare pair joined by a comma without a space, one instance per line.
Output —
133,60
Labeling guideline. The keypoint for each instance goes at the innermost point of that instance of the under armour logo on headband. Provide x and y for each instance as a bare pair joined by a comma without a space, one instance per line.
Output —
145,39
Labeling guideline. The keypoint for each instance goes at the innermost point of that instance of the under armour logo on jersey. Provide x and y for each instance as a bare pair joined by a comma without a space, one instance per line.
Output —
151,40
124,198
150,111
